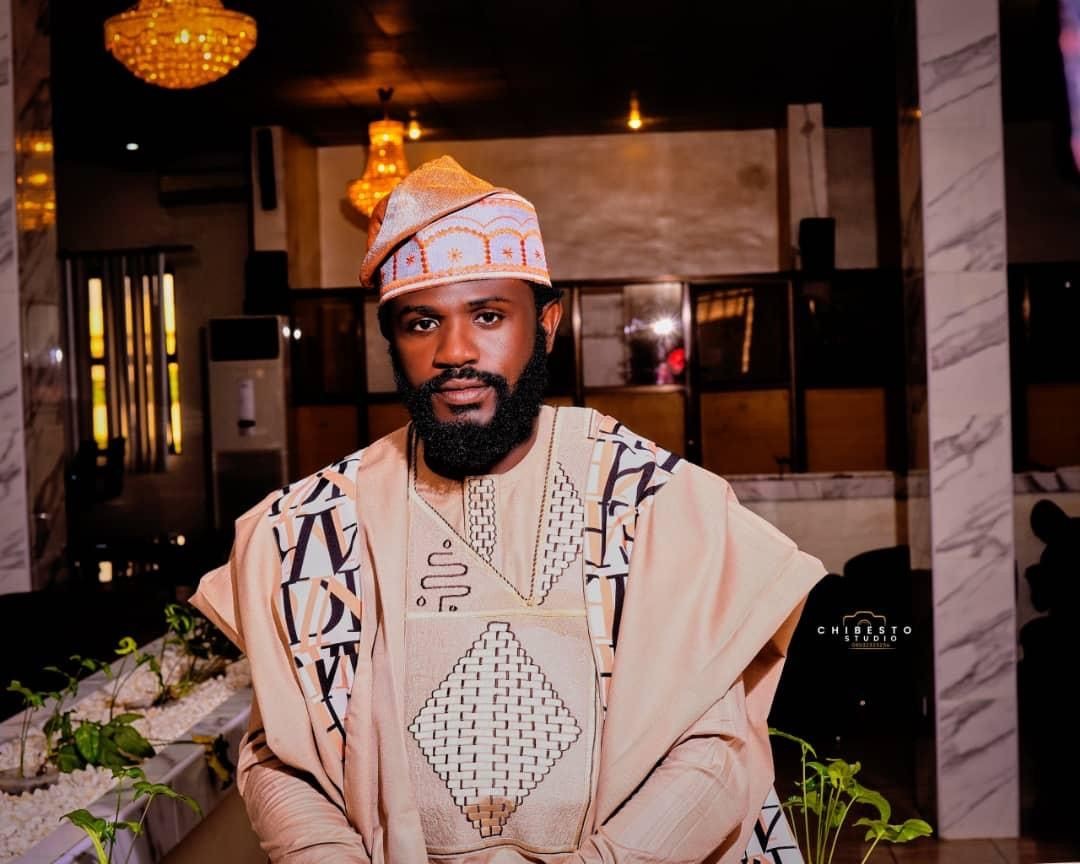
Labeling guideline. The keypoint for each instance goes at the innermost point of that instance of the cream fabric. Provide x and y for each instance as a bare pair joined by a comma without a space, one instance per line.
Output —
713,596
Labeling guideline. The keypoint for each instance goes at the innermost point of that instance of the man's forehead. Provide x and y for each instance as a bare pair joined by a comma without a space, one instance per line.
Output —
465,294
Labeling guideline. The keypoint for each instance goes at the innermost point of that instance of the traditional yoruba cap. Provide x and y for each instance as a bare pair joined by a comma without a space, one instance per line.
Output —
441,224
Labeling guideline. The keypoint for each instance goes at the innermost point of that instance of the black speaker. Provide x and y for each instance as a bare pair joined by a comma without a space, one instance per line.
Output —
266,283
264,168
817,245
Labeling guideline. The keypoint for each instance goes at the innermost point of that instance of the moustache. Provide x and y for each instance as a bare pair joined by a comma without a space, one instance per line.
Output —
467,373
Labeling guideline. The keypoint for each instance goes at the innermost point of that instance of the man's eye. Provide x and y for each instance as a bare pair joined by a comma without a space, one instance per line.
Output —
489,317
423,325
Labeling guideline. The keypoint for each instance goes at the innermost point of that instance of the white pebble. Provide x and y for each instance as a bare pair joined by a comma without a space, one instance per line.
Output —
26,819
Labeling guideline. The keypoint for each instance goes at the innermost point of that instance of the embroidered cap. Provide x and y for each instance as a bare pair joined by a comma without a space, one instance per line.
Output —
441,224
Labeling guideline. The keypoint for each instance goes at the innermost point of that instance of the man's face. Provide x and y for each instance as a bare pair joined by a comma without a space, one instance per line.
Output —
470,358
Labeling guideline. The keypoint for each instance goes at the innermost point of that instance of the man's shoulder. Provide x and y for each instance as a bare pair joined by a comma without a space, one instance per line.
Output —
627,466
605,428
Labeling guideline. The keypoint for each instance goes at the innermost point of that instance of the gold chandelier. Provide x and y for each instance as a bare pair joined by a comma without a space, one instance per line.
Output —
386,165
180,44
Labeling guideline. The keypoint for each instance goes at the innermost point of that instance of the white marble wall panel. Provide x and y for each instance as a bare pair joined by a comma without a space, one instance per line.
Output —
14,539
959,64
7,115
833,530
963,199
39,302
970,440
13,526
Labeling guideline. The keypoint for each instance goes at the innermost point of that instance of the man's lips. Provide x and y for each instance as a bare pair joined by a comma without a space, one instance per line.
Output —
460,393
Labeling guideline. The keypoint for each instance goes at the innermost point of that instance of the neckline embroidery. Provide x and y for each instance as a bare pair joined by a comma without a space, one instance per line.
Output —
546,582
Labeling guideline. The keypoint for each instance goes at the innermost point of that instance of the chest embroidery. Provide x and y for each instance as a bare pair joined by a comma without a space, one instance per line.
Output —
493,729
444,579
562,539
480,516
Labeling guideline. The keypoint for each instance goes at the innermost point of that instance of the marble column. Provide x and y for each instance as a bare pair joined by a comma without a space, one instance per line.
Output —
32,437
960,157
14,534
39,294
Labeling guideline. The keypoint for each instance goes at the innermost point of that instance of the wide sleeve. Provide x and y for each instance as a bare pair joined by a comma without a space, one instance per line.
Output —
695,799
712,598
216,599
295,819
295,822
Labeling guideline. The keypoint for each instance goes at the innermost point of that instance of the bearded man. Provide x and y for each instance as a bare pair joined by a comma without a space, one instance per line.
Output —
507,632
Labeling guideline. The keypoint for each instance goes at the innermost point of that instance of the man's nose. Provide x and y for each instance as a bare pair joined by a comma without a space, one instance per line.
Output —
455,346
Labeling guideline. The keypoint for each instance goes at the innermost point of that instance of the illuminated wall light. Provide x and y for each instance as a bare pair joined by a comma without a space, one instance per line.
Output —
104,571
414,127
129,359
148,369
129,321
99,405
175,429
131,146
168,309
97,319
168,303
634,120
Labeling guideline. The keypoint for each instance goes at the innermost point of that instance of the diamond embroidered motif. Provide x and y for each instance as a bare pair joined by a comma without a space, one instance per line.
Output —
480,515
565,523
493,729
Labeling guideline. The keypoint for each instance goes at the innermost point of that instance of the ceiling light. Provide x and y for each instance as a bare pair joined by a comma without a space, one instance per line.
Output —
634,120
386,165
131,146
180,44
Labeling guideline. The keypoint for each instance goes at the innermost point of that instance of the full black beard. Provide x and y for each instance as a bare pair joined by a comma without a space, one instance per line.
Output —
462,448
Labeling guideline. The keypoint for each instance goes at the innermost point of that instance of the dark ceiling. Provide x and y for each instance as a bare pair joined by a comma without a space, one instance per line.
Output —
480,68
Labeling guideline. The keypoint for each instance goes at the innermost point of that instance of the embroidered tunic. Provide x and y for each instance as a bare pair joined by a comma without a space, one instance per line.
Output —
502,688
452,649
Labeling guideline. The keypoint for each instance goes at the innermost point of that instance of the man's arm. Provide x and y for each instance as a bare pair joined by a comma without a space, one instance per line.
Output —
296,823
692,803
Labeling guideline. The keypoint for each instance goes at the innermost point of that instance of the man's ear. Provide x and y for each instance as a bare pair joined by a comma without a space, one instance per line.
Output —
550,316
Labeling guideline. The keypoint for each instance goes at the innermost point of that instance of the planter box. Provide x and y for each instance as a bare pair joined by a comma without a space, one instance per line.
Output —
182,766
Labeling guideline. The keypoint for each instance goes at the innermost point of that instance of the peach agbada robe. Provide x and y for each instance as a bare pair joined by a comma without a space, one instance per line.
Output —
712,598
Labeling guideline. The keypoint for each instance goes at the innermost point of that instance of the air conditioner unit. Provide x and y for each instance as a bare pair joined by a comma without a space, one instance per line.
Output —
248,370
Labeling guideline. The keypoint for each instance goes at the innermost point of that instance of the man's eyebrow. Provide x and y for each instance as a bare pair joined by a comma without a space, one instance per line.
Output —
426,311
484,301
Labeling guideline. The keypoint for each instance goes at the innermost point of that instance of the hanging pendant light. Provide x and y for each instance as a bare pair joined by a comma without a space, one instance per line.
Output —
180,44
386,165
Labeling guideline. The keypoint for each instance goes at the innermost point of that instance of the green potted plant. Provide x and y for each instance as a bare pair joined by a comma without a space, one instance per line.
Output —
103,832
827,793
